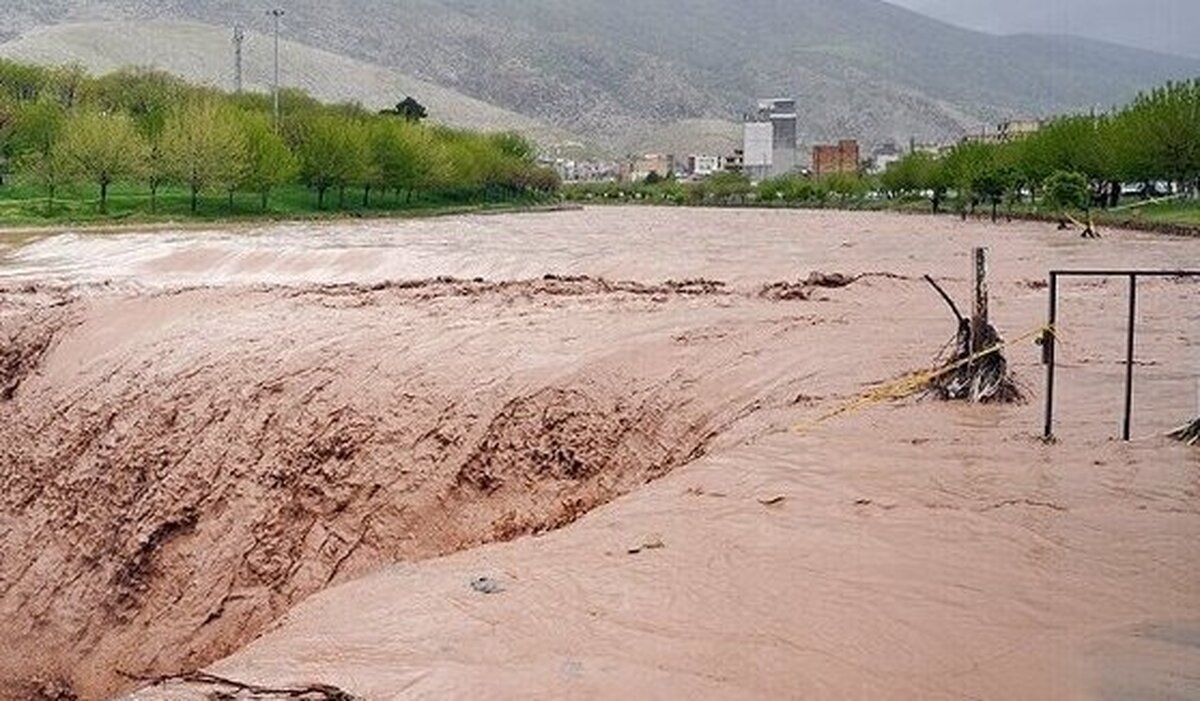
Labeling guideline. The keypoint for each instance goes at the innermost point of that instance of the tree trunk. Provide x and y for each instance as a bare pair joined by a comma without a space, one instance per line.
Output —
341,197
195,198
367,196
321,197
104,197
995,208
153,198
231,201
264,200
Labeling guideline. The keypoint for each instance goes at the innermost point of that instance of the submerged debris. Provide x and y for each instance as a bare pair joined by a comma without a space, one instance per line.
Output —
487,585
803,289
224,689
1189,433
977,371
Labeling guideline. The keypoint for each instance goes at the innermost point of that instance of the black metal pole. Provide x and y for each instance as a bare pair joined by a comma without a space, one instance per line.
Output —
1129,347
1048,342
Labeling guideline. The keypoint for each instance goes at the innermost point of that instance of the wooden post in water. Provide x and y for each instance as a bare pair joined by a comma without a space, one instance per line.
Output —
979,311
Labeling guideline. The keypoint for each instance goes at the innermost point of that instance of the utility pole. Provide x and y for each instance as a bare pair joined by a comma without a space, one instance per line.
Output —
275,15
239,36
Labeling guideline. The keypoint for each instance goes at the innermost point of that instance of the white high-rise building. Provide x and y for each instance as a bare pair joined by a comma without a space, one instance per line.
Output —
759,150
770,139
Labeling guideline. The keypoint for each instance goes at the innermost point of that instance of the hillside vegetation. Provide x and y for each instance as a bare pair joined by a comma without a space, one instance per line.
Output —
203,54
70,142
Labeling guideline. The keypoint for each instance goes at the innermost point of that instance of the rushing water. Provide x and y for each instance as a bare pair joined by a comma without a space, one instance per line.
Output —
630,243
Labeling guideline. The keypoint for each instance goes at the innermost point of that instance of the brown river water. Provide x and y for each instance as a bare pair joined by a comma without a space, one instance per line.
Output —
580,455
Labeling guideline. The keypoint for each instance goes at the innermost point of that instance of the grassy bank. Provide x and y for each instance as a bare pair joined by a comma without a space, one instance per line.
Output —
25,207
1174,217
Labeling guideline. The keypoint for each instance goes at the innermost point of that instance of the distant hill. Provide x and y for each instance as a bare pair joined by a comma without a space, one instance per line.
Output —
616,71
203,54
1169,26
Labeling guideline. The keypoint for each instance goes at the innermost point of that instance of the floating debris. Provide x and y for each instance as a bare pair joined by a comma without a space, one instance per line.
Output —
487,585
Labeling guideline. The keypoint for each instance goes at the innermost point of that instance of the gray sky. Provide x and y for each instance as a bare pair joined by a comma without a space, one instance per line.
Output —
1172,26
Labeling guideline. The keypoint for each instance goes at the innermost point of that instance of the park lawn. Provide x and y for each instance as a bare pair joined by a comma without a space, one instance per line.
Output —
23,205
1180,212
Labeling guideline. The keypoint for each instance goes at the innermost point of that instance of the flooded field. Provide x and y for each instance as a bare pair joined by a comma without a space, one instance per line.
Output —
579,455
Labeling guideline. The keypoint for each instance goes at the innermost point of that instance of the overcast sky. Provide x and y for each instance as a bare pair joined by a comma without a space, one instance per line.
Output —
1164,25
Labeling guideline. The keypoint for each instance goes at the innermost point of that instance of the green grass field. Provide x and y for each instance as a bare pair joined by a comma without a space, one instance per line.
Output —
23,206
1178,212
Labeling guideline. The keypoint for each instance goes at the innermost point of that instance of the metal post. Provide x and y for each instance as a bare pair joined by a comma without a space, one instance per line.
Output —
1048,347
1129,347
979,313
239,36
275,15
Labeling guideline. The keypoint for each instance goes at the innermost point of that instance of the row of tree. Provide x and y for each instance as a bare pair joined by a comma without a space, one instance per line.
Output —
1072,162
61,127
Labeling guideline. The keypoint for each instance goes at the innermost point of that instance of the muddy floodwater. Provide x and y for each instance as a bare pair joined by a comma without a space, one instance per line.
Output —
588,455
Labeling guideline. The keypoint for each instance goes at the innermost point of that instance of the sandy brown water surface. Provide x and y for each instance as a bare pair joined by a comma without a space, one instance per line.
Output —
289,455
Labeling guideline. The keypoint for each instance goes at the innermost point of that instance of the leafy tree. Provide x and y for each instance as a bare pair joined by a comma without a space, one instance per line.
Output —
992,185
1161,135
332,153
846,185
49,170
38,126
402,156
100,148
149,97
726,187
1067,191
67,84
409,110
8,121
967,166
21,82
269,162
790,188
514,146
204,147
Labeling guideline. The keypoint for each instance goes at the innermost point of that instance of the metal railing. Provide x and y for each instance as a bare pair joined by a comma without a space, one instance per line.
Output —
1049,338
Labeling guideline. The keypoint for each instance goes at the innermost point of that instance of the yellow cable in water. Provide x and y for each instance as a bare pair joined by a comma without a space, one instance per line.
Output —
914,382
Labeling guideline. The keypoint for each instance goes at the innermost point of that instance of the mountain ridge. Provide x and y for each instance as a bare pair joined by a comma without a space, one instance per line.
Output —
618,70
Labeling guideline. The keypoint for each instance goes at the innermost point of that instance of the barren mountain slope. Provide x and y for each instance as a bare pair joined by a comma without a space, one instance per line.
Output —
859,67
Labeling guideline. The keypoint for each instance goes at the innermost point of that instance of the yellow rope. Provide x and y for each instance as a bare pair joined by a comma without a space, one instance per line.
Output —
914,382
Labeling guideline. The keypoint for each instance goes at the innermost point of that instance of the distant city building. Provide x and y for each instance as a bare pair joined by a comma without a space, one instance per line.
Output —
883,155
769,139
781,112
840,159
734,162
703,166
1018,128
1011,130
662,165
758,149
578,171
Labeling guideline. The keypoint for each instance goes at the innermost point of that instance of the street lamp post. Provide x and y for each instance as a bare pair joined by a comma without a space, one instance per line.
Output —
275,15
